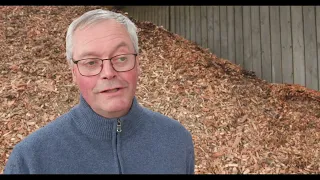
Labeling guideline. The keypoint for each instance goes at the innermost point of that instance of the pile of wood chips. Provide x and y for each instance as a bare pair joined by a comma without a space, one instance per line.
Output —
240,124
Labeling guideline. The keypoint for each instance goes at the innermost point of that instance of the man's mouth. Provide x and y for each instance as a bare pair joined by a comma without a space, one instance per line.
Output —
110,90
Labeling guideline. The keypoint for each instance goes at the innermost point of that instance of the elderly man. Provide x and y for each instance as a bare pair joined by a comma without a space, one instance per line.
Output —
108,132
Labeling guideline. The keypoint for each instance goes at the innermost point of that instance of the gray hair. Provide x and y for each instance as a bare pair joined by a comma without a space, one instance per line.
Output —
94,16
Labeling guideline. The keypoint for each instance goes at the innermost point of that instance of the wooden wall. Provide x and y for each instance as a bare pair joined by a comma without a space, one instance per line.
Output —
280,44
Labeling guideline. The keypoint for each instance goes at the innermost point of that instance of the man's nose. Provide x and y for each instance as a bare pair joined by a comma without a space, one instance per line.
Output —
107,71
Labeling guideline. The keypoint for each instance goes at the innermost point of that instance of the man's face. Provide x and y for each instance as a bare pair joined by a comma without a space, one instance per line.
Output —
103,40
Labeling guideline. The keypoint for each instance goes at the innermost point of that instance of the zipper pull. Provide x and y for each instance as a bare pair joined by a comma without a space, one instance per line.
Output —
119,126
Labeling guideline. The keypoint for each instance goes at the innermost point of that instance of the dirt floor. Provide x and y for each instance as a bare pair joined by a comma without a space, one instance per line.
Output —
240,123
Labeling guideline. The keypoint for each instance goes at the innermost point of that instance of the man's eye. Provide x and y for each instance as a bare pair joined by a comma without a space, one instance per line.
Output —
90,63
122,58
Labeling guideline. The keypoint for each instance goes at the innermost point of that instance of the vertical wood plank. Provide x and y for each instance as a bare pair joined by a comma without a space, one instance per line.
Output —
192,24
168,17
310,47
216,31
210,29
143,11
198,24
146,9
187,26
151,10
231,36
275,44
256,42
172,19
239,35
318,40
204,30
286,44
247,38
177,19
265,45
148,12
159,15
131,11
298,46
137,12
151,14
140,14
154,15
223,32
182,21
163,16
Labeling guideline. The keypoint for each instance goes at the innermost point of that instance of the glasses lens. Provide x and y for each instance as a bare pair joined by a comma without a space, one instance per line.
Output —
90,67
123,62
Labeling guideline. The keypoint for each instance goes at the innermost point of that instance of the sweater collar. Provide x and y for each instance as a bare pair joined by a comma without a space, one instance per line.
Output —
99,127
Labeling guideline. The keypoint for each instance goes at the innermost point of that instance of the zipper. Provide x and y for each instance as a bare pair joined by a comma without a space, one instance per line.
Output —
117,145
119,125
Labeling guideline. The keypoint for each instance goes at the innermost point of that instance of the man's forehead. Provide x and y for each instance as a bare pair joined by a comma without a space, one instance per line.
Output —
102,38
105,23
99,31
92,51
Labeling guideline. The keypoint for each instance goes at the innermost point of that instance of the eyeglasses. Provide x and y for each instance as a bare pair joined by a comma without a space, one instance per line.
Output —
93,66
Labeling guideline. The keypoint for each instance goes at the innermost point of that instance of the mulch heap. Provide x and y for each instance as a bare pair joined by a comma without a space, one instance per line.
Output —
240,124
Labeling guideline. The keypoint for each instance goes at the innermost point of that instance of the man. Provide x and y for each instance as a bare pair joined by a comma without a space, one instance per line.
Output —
108,132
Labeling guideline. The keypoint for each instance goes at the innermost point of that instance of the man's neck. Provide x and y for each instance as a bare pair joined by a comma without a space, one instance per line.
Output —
113,114
110,115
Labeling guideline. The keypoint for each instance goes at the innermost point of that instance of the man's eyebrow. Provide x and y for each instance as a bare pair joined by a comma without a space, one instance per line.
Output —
87,53
121,44
90,53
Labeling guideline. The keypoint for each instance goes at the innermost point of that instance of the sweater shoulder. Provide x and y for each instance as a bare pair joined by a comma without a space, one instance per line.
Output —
46,133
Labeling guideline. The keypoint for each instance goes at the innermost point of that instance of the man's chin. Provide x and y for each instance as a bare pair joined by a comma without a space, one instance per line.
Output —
115,106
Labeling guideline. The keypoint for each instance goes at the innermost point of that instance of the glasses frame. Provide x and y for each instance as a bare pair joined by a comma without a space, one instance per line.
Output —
135,58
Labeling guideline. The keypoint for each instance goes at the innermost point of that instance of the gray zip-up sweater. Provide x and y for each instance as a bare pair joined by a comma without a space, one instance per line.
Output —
83,142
